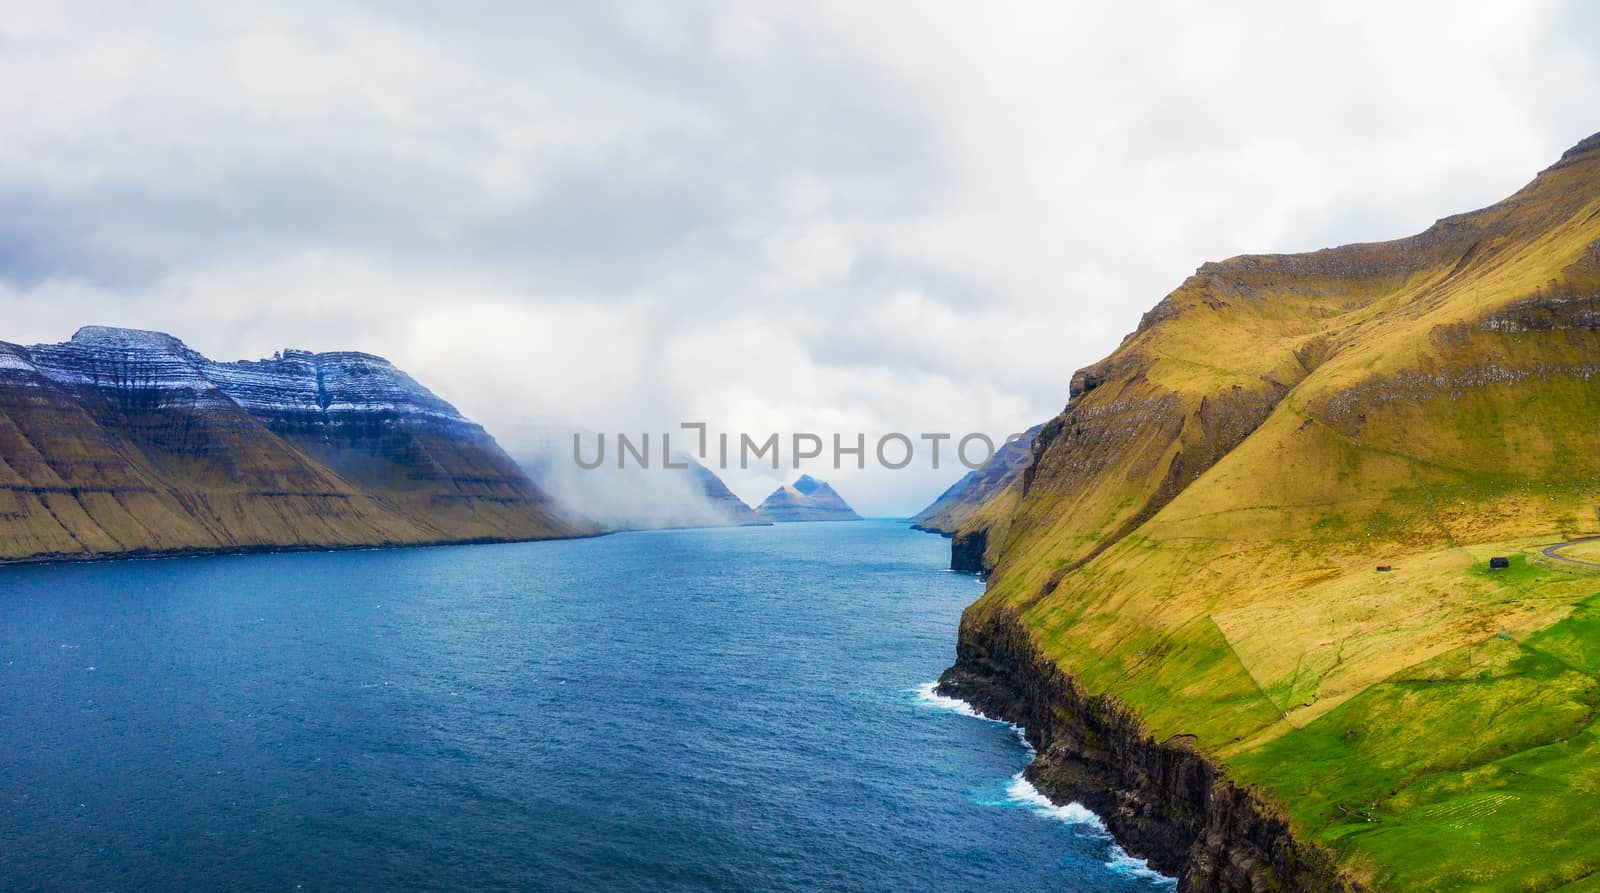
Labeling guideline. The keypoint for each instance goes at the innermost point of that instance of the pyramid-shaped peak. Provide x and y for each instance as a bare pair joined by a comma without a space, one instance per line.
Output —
807,499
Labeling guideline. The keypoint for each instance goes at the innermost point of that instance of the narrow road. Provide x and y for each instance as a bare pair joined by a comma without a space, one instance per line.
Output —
1554,552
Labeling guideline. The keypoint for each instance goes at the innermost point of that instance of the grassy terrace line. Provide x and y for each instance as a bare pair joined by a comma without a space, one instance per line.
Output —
1199,532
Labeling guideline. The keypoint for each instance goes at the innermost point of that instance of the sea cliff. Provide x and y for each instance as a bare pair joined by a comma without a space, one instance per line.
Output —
1165,801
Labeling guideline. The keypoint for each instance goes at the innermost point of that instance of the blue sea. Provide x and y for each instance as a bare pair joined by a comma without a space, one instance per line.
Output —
741,709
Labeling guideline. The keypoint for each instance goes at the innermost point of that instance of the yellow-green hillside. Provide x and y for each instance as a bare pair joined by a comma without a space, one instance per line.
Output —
1199,534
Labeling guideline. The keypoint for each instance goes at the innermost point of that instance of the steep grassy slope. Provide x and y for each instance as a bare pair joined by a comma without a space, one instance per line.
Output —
123,442
1198,534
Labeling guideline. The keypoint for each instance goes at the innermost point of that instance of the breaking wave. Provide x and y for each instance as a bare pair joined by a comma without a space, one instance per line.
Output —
1021,792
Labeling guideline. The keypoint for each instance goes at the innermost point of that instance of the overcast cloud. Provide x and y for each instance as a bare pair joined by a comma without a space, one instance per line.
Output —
770,217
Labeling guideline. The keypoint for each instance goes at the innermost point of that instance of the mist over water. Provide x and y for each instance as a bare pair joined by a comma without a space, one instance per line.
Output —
700,710
623,495
627,498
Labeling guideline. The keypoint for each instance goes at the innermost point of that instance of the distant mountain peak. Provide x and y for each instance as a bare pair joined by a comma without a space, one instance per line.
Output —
807,499
965,497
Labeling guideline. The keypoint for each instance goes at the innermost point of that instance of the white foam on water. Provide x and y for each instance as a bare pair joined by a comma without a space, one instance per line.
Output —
1132,866
927,695
1021,792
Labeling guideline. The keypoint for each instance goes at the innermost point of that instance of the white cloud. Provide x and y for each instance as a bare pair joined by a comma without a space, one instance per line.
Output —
787,217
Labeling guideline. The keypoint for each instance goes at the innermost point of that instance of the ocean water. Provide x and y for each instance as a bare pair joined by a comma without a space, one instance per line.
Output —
687,710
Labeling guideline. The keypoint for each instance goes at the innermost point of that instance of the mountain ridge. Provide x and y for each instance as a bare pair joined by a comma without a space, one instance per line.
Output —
968,496
1194,544
128,442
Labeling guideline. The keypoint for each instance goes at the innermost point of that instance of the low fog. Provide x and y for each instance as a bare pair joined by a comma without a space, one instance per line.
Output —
628,498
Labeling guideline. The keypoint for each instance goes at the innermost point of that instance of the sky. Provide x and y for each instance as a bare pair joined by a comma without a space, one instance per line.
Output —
770,217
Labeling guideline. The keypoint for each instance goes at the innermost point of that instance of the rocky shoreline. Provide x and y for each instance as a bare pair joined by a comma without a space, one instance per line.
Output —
1165,802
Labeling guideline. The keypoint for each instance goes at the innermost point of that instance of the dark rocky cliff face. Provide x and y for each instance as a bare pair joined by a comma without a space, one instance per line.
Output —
1165,801
121,441
967,550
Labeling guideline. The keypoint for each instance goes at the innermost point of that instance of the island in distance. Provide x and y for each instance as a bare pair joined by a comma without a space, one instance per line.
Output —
807,499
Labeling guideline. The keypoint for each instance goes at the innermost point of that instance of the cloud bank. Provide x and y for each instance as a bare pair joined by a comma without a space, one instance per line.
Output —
832,217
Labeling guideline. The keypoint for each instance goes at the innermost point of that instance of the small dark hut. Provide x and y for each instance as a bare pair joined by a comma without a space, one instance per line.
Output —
1499,563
